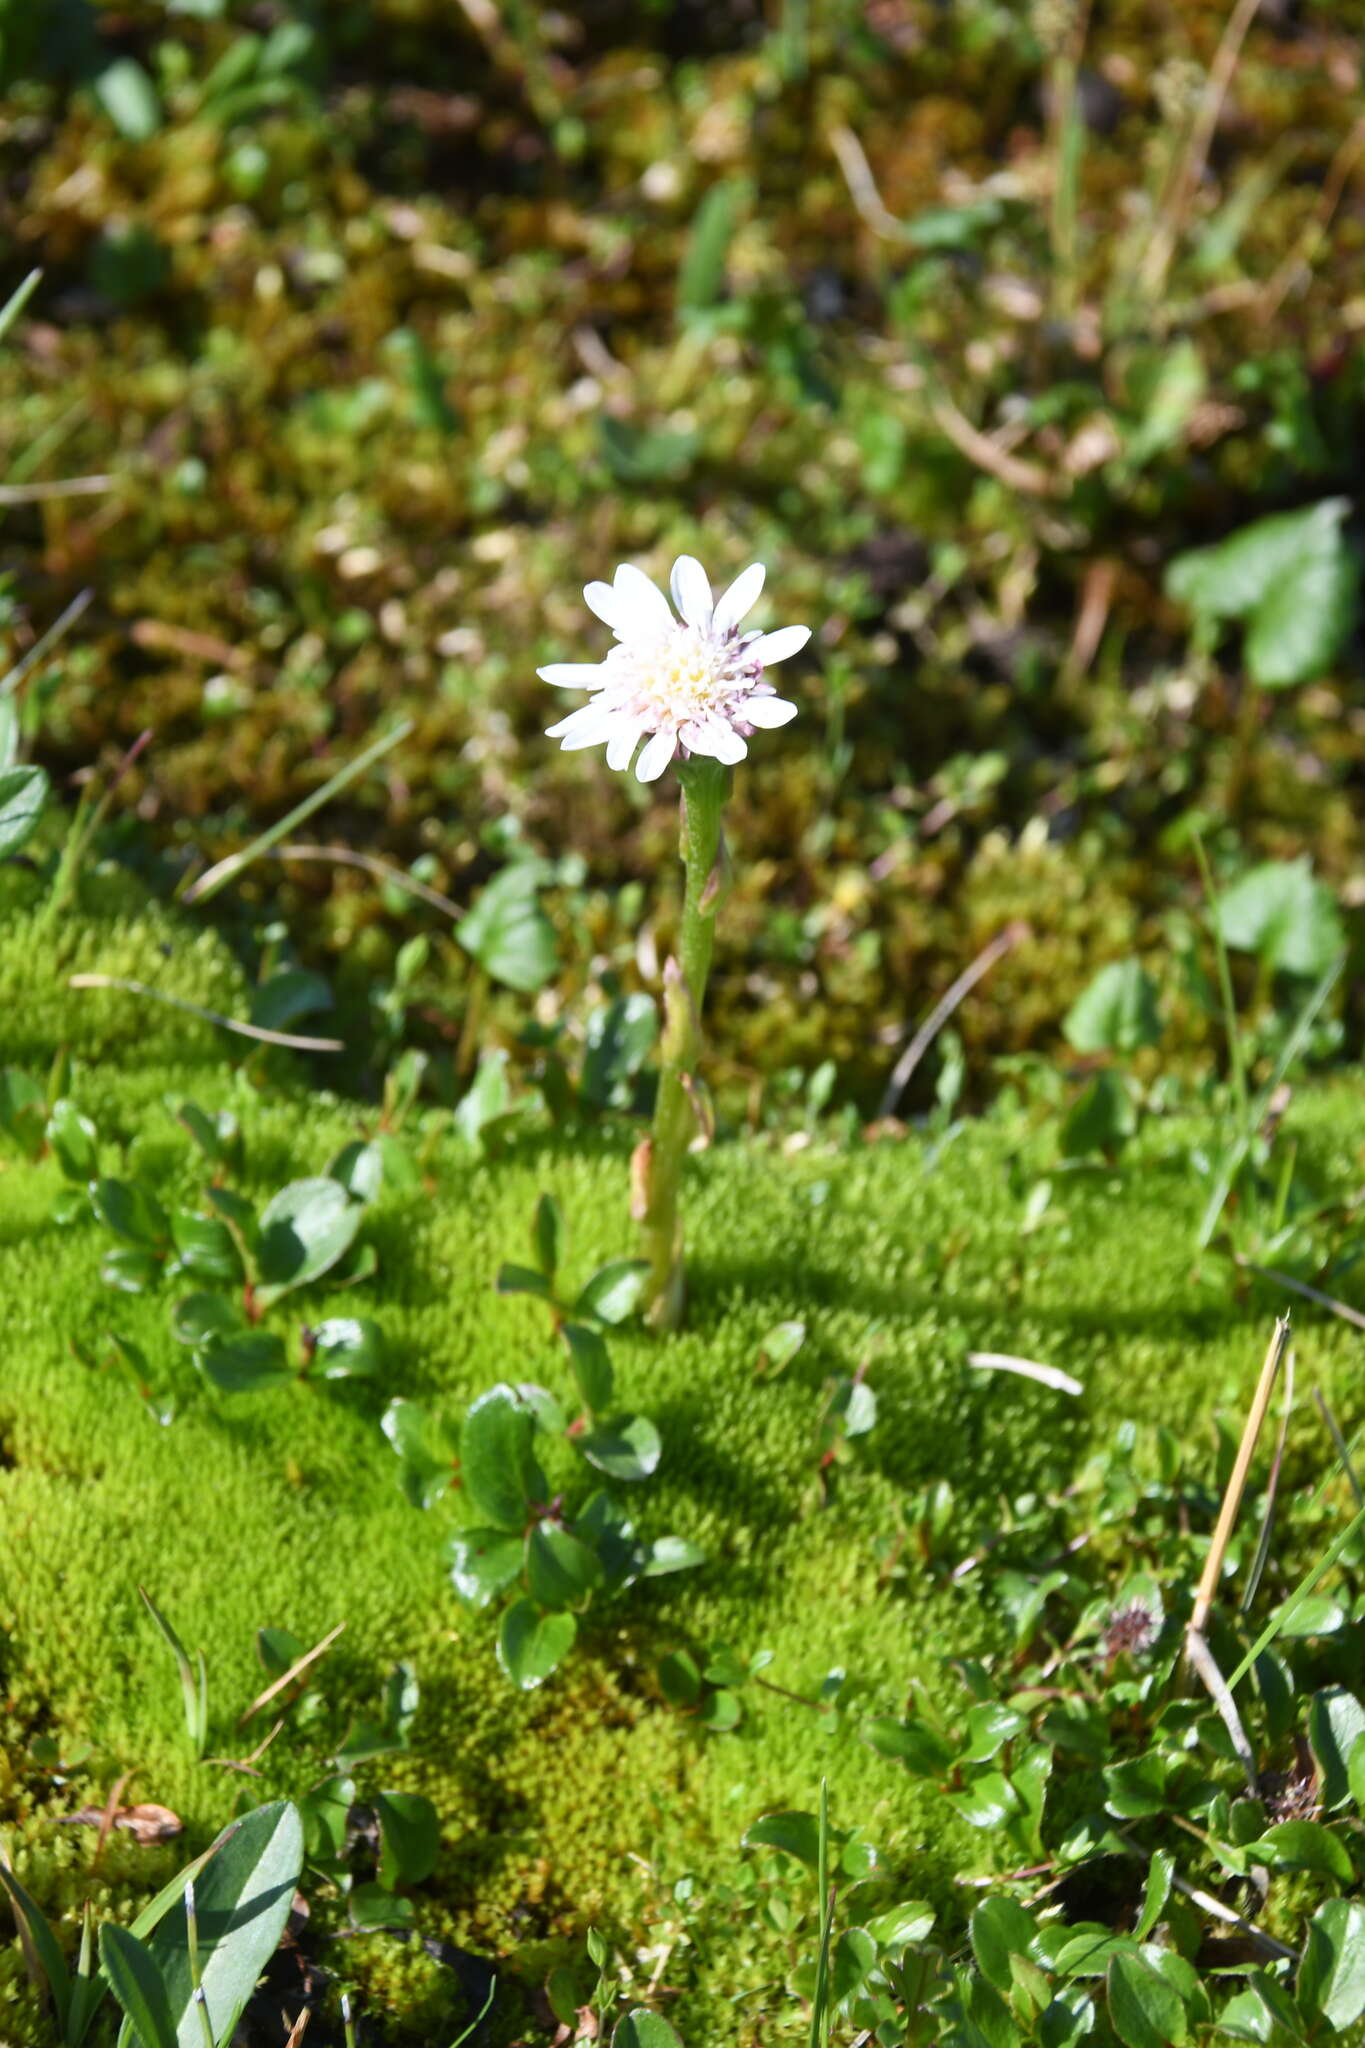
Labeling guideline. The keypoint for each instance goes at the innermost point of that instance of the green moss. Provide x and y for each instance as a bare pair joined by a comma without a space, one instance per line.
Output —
588,1800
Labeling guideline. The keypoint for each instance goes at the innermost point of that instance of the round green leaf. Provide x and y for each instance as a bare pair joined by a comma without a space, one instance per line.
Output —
305,1229
1000,1928
1116,1013
915,1744
203,1318
1336,1722
497,1461
1145,2010
347,1347
74,1141
483,1563
614,1290
560,1571
628,1449
131,1211
1306,1845
245,1364
1332,1976
795,1834
532,1644
671,1554
410,1838
641,2029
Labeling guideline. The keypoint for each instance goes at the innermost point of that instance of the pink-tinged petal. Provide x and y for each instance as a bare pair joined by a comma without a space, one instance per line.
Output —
641,608
767,713
778,646
692,592
574,675
740,598
621,746
655,755
714,737
588,718
601,599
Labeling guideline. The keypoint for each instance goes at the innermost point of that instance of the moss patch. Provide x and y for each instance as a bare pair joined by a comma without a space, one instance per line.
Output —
585,1801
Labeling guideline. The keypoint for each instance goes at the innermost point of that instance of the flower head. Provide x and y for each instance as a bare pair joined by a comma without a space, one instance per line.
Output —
692,684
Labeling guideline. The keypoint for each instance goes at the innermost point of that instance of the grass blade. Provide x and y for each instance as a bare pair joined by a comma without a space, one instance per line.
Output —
193,1686
44,1957
225,871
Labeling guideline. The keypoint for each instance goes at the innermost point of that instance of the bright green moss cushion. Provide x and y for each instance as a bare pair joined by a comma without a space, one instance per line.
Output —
590,1799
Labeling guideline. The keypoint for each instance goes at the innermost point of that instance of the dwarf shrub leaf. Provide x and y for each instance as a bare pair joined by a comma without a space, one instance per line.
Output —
497,1461
531,1644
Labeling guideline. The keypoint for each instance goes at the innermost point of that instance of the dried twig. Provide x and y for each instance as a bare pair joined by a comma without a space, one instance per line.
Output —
299,1665
257,1031
1002,943
1236,1486
59,487
347,857
1202,1658
1027,1369
1338,1308
1029,477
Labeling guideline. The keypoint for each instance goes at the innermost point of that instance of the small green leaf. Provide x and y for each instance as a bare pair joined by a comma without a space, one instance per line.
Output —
1156,1892
852,1963
304,1230
427,1449
290,994
671,1554
205,1247
347,1347
373,1909
513,1279
23,1110
245,1364
136,1983
410,1838
560,1571
1336,1722
613,1293
628,1449
509,934
325,1811
988,1801
1116,1013
531,1644
129,98
1332,1976
617,1040
1101,1119
131,1211
1285,916
1144,2009
909,1922
1306,1845
74,1141
779,1347
591,1363
680,1680
23,792
483,1563
204,1318
641,2029
547,1233
1000,1928
922,1750
794,1833
129,1270
497,1460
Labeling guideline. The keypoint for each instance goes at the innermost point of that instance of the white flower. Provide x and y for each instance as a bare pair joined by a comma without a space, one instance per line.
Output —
693,684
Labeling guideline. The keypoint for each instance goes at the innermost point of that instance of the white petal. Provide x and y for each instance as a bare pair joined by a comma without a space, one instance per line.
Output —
740,598
770,647
655,755
601,598
692,591
766,712
590,719
574,675
714,737
621,746
641,607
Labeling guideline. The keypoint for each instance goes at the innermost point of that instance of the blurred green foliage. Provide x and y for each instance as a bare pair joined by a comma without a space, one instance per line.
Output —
394,322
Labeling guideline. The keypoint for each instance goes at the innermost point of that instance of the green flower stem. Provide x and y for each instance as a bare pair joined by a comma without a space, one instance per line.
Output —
705,784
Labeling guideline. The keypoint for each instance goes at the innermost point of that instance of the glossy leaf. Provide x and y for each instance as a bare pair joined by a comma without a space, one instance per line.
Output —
1336,1722
74,1141
409,1836
205,1247
531,1645
628,1449
915,1744
498,1466
136,1983
1000,1928
243,1895
347,1347
245,1364
509,934
547,1235
205,1318
483,1563
671,1554
614,1291
560,1570
304,1230
796,1834
23,792
1306,1845
132,1212
641,2029
1145,2009
1332,1976
591,1363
